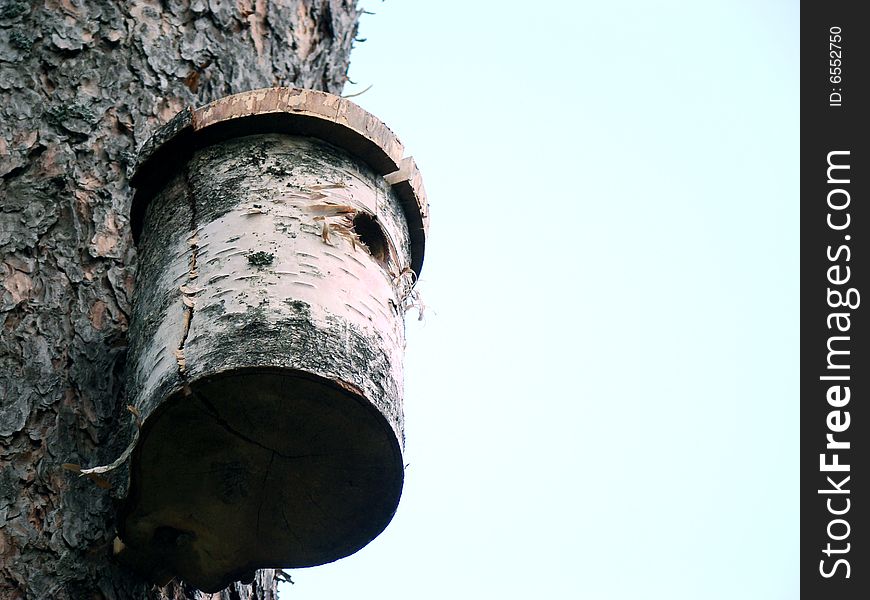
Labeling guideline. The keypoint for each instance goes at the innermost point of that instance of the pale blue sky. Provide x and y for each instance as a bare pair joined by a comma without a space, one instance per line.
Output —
602,402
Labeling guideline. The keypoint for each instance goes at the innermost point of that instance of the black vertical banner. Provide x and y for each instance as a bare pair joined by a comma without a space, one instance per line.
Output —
835,300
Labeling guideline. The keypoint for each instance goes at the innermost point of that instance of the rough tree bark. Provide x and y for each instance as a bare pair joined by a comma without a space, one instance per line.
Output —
83,83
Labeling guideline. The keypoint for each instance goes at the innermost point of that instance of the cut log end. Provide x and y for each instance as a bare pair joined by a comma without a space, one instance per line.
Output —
256,469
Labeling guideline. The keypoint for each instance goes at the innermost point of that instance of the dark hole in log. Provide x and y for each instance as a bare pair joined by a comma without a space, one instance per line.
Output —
371,234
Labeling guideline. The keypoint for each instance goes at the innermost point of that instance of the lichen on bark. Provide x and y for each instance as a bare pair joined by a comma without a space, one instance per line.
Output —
82,86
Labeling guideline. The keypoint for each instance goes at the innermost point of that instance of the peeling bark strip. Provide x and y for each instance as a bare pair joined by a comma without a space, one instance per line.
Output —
285,395
189,289
82,86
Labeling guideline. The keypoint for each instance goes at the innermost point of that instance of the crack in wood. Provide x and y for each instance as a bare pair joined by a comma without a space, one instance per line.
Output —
212,411
263,494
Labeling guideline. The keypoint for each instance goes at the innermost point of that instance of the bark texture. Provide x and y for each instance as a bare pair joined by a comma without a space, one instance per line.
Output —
82,85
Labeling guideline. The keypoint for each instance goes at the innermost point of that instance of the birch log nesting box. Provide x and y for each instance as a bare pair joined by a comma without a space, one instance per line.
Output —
280,233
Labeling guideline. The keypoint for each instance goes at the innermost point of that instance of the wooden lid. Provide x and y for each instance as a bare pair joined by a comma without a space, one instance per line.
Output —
293,111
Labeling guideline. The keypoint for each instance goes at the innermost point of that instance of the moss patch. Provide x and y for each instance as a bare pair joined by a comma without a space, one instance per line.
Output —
261,259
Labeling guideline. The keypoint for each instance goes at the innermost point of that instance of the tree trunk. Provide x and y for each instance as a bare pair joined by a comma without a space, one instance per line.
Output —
84,83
